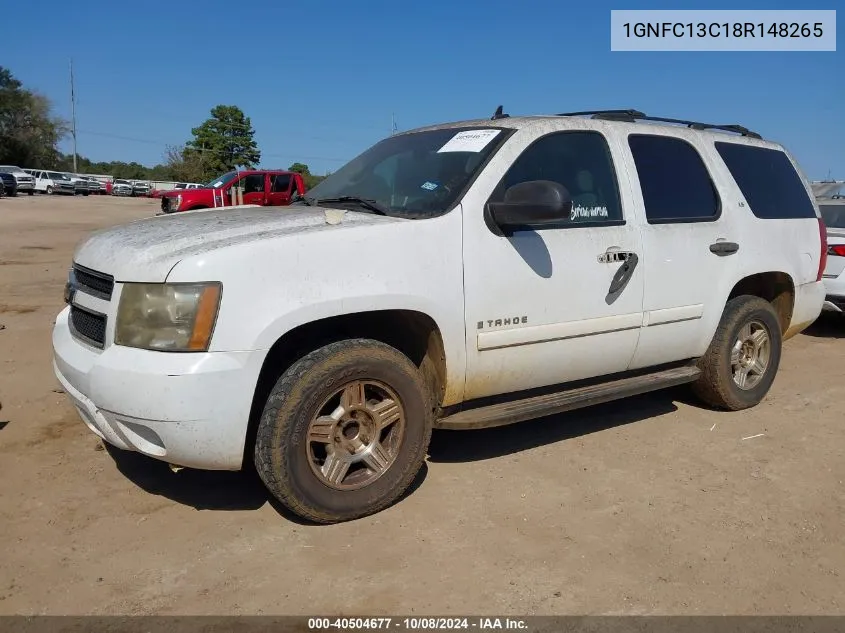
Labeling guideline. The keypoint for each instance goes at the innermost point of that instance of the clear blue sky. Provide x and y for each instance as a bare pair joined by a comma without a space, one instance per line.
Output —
320,79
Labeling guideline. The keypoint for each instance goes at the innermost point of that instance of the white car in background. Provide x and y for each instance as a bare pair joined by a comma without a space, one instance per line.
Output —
833,213
26,183
51,182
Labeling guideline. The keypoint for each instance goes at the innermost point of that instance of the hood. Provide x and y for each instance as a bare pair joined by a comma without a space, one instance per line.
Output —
172,193
146,250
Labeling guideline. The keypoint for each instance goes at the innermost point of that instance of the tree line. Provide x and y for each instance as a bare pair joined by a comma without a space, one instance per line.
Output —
30,134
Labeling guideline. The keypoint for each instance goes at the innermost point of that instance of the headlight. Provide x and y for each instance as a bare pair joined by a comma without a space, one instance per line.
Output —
176,317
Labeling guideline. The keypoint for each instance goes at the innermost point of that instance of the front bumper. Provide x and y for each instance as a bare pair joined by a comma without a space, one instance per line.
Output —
188,409
26,186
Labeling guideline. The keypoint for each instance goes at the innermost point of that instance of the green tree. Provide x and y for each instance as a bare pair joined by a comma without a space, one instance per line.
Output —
186,166
300,168
29,133
311,180
223,142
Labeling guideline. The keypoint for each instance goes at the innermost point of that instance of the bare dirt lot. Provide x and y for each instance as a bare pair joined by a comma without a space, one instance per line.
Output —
650,505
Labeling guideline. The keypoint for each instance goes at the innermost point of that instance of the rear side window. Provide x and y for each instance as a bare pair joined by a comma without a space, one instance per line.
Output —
768,180
675,183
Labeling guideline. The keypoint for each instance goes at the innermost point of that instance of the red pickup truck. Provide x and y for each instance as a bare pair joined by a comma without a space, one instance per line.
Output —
267,187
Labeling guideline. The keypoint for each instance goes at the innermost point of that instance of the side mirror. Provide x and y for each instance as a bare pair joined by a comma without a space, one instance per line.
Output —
527,205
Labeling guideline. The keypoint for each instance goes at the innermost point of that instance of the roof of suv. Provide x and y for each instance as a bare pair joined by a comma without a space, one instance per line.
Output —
632,120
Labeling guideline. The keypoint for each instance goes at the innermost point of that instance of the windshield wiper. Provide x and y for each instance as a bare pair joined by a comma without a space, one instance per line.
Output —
367,203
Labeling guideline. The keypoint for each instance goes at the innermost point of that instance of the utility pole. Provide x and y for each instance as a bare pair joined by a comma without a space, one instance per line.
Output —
392,124
73,114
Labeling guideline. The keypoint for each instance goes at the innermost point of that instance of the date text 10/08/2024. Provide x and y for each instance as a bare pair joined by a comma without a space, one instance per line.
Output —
416,624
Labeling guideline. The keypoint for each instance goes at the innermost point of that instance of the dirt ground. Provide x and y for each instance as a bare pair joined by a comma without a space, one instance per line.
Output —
647,506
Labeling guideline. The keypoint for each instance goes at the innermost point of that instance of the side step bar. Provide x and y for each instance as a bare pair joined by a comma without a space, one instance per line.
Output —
539,406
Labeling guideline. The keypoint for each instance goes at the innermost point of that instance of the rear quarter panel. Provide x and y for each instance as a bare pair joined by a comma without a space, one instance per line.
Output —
790,246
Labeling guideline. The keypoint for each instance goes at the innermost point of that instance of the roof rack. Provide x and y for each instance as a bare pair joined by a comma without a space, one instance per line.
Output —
498,114
632,116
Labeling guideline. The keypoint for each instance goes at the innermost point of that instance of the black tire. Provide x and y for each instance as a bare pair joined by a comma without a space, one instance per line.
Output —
30,192
716,385
283,459
49,190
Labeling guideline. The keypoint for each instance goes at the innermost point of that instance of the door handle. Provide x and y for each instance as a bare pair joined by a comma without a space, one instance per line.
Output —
613,257
724,248
623,275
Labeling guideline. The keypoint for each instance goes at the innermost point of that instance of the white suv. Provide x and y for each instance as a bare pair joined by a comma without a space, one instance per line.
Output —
456,276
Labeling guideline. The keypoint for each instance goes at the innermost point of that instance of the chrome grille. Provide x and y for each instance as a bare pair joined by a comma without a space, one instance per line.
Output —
89,326
93,282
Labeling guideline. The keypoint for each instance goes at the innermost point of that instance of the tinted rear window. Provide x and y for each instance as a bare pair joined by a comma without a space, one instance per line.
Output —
767,179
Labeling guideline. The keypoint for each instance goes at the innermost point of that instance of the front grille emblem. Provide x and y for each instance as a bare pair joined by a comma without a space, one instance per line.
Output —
70,290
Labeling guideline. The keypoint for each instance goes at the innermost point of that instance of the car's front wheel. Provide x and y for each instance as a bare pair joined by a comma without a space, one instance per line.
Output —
344,431
740,365
49,190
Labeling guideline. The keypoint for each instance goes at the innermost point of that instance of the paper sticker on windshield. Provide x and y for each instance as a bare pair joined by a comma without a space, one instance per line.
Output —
429,186
217,184
469,141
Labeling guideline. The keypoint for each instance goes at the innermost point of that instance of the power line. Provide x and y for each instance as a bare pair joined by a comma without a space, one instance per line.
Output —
356,125
199,149
73,113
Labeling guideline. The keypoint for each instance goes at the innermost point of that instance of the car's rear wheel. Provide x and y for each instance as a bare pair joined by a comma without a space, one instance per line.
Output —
742,361
344,431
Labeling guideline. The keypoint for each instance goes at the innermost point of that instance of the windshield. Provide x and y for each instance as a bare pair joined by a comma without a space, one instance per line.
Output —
415,175
833,215
223,180
121,182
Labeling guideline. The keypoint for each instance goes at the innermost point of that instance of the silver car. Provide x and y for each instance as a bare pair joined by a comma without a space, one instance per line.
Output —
140,188
121,188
